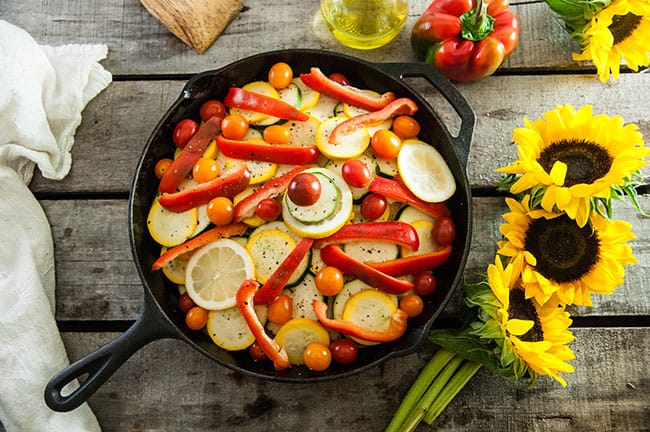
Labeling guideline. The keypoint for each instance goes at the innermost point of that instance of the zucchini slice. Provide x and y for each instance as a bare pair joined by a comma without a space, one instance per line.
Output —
268,248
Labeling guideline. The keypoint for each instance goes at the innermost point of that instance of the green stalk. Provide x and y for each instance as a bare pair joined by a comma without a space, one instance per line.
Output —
429,398
455,384
422,382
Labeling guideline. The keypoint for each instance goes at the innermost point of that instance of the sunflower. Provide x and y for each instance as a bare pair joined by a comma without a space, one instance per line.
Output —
562,258
576,161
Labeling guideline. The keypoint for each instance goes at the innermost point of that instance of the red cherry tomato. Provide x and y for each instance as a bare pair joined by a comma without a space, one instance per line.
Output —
344,351
280,75
234,126
373,206
268,209
196,318
304,189
256,352
212,108
185,302
184,131
356,173
317,357
425,283
444,231
339,78
406,127
412,304
280,309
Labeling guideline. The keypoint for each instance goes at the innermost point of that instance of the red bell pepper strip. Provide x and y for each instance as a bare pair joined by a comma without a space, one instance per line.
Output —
395,232
395,330
245,303
192,152
244,99
202,239
318,81
401,106
396,190
271,189
332,255
413,264
278,280
262,151
229,184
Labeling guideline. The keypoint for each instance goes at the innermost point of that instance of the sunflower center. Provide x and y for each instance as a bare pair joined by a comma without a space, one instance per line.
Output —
564,251
623,26
522,308
586,161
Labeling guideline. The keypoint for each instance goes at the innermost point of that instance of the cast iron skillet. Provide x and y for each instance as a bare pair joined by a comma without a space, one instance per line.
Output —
161,317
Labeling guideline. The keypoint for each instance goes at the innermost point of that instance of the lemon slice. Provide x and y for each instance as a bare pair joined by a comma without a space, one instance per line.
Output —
370,309
215,272
425,172
228,329
296,334
170,228
424,228
260,87
349,146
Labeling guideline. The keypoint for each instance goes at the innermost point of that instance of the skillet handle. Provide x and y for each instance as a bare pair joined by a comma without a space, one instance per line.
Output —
463,140
101,364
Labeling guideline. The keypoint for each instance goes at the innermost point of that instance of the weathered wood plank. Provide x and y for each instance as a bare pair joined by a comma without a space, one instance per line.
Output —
97,280
168,386
284,24
108,142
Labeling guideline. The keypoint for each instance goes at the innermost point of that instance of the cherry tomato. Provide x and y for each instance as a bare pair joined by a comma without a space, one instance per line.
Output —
444,231
386,144
412,304
220,211
256,352
185,302
329,281
196,318
317,357
268,209
425,283
406,127
356,173
339,78
276,134
304,189
184,131
344,351
234,126
212,108
280,75
280,309
205,169
161,167
373,206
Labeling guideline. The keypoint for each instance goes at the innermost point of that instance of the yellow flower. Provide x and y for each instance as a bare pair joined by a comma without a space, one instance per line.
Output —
576,158
560,258
619,31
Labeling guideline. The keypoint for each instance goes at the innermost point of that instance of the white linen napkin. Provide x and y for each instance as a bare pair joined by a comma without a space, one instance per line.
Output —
43,91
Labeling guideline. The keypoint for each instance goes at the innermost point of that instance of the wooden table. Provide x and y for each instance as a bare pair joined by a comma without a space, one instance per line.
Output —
167,386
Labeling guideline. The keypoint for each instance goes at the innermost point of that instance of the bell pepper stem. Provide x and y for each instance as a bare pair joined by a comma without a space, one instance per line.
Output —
477,24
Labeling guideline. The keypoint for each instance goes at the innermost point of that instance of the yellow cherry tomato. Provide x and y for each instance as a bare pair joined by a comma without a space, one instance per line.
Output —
412,304
234,126
280,310
205,169
220,211
329,281
386,144
276,134
406,127
196,318
317,357
280,75
162,166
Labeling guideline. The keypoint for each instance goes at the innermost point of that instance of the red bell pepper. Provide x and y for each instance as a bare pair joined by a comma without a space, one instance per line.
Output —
395,330
318,81
332,255
228,184
401,106
261,151
398,191
202,239
244,99
466,39
271,189
245,303
395,232
413,264
192,152
278,280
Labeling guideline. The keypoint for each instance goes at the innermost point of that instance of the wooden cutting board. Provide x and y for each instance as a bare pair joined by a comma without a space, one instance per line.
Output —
198,23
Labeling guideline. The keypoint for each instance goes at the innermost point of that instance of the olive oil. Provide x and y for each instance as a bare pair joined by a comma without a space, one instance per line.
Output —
364,24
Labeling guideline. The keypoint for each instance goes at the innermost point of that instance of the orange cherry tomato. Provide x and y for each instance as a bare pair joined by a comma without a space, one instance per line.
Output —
205,169
317,357
234,126
161,167
386,144
220,211
406,127
280,75
276,134
280,310
196,318
412,304
329,281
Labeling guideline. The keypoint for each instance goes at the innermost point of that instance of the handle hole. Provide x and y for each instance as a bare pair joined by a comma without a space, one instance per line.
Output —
440,105
73,385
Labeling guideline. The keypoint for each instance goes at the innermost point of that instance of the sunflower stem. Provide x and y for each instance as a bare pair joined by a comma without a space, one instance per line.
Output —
455,384
422,382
